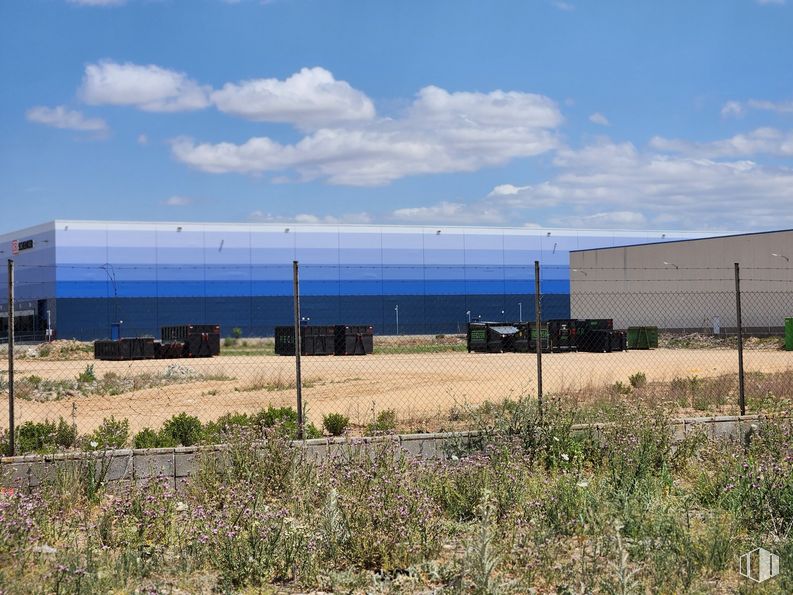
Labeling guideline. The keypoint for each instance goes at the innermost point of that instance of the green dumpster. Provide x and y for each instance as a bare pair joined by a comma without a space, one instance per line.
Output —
789,334
642,337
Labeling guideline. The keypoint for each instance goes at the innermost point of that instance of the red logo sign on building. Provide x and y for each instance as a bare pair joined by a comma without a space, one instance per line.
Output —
15,247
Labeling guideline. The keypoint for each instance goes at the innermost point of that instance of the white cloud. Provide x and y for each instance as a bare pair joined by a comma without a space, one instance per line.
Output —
439,132
449,213
732,109
150,88
97,2
760,141
178,201
599,119
310,99
614,184
780,107
604,220
61,117
564,6
737,109
263,217
143,139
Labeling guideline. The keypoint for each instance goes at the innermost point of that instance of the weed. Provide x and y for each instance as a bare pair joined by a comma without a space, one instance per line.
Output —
183,429
111,433
384,422
335,423
638,380
87,376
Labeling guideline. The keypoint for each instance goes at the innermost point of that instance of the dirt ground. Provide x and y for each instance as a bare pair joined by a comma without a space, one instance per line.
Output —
418,386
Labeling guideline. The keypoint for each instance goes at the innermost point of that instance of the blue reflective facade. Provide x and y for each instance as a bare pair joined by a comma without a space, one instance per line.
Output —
148,275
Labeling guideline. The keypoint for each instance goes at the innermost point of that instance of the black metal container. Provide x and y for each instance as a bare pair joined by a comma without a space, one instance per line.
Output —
563,335
354,339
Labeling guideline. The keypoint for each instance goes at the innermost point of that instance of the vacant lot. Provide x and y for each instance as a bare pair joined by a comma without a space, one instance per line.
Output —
419,386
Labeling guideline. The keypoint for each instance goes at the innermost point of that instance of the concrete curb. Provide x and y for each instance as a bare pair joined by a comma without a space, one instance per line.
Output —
177,464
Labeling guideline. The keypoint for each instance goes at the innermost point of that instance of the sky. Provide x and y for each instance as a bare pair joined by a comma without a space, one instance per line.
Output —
599,114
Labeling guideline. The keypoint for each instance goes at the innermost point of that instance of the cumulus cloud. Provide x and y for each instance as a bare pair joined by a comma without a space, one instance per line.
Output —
599,119
439,132
449,213
617,185
310,99
61,117
264,217
760,141
149,88
737,109
178,201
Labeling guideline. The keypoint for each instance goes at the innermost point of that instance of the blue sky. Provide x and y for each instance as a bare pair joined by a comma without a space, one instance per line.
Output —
662,115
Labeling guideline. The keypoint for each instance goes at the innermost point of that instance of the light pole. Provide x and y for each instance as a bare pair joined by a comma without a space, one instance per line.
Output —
396,312
780,256
468,314
520,311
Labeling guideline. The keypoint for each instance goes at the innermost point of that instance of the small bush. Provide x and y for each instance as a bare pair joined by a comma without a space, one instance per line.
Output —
236,332
383,423
111,433
87,376
621,388
335,423
184,429
146,438
35,437
638,380
229,342
65,434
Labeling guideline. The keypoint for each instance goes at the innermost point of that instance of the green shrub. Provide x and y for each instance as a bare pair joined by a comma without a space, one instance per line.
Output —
184,429
236,332
111,433
87,376
146,438
65,434
638,380
384,422
335,423
35,437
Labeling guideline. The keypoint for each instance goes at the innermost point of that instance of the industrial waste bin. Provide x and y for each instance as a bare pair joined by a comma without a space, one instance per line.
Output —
199,340
314,340
354,339
562,335
587,336
642,337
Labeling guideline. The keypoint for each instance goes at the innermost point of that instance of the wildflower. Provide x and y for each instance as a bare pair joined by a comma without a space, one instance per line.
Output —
565,457
94,443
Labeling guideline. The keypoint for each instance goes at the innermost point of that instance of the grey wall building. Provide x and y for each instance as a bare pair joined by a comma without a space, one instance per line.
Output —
687,284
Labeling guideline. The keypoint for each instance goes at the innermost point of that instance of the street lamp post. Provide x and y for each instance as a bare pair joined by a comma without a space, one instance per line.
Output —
520,311
396,312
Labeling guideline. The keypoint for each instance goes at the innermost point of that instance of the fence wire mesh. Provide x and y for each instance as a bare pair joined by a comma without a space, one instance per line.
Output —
420,375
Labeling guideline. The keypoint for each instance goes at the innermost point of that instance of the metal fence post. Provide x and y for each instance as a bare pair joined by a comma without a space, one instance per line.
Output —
11,428
298,350
538,322
741,392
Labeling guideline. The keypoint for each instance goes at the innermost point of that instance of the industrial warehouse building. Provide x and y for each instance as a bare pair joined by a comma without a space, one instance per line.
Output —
688,285
80,277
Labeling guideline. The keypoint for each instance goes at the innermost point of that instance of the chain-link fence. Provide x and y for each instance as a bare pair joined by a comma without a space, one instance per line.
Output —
664,337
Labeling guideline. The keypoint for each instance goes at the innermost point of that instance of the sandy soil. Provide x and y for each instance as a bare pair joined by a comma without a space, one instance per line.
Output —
418,386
